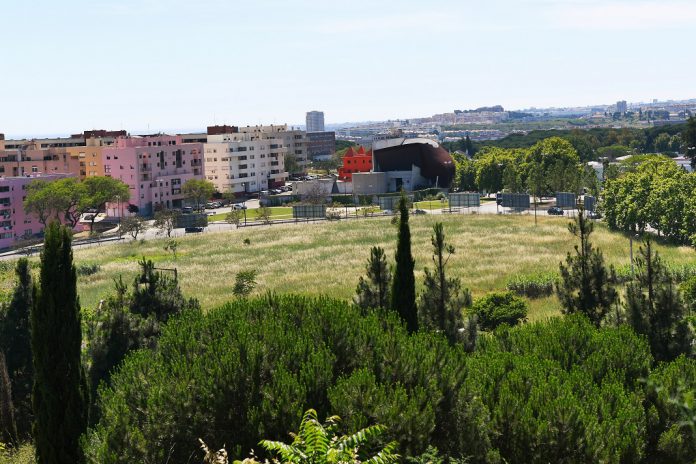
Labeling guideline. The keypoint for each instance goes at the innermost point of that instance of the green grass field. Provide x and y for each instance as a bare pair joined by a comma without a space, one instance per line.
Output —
328,257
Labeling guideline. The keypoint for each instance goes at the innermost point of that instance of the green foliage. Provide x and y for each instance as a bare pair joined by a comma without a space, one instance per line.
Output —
97,191
490,167
499,308
403,293
130,320
654,307
133,225
585,283
442,302
165,220
533,286
61,200
23,454
317,443
8,427
198,191
465,174
559,391
689,138
655,193
373,289
60,396
85,270
672,422
244,283
15,342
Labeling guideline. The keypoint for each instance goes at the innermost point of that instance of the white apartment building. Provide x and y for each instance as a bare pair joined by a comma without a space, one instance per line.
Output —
252,158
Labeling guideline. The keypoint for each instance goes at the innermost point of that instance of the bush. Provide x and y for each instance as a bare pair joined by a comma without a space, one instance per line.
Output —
499,308
533,286
559,391
87,269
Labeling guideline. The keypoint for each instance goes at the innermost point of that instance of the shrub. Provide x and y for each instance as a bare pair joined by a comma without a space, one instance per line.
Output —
533,286
87,269
558,391
500,308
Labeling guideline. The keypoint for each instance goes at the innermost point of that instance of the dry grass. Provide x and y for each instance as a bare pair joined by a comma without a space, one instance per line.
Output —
329,257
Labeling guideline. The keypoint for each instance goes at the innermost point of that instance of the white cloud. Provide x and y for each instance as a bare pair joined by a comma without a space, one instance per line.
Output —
621,15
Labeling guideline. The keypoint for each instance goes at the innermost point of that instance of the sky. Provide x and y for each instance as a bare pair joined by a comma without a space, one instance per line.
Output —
177,65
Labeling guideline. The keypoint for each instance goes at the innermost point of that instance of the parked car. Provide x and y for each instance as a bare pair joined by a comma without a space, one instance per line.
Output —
239,206
187,210
193,230
594,215
419,211
555,211
210,205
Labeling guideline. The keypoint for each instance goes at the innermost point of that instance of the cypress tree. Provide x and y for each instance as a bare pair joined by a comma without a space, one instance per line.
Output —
15,342
60,390
403,293
373,290
585,284
8,429
654,307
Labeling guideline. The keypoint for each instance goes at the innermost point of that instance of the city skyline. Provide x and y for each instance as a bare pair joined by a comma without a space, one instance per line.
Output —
172,65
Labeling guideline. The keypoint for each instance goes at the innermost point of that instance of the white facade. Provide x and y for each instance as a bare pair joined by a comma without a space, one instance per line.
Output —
315,121
252,159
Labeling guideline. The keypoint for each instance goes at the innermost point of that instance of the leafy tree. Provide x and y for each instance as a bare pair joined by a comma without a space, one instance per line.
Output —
234,217
465,174
198,191
585,286
317,443
689,139
15,342
244,283
172,245
536,183
165,221
655,309
291,164
133,225
60,396
403,293
8,428
98,191
442,302
263,214
512,180
490,166
663,142
55,200
499,308
373,290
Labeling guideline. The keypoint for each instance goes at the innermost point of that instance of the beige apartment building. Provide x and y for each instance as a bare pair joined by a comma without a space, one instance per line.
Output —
251,159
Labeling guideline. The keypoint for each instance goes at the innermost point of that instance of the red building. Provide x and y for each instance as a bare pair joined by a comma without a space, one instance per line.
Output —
355,162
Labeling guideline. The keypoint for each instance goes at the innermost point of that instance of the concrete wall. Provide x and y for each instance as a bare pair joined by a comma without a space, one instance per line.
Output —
370,183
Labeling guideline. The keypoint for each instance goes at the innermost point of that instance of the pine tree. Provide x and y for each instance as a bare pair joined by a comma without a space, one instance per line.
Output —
8,429
403,293
442,302
373,290
654,307
585,284
60,390
15,342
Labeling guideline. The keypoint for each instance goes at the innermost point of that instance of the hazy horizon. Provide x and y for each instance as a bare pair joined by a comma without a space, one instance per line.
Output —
170,65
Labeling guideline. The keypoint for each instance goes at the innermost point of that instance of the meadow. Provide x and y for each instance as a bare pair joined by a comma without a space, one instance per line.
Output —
328,257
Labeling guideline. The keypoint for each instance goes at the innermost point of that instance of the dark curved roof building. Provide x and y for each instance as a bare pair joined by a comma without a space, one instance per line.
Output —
434,165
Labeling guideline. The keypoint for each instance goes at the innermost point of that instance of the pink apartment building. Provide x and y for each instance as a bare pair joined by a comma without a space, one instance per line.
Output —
15,224
155,168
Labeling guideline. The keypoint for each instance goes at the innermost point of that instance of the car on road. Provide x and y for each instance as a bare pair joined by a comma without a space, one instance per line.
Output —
555,211
239,206
193,230
419,211
594,215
